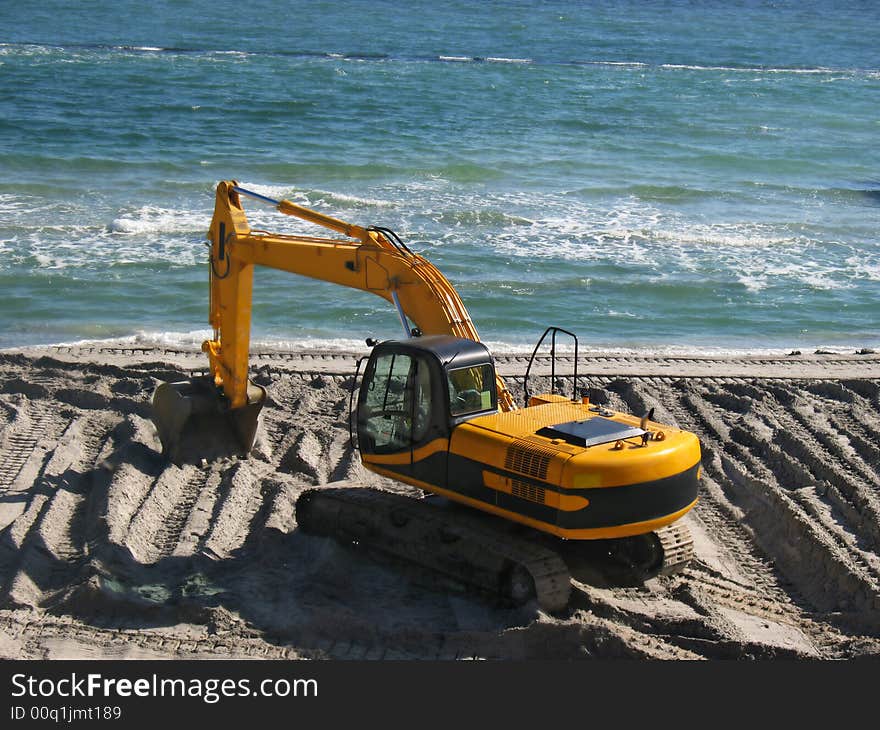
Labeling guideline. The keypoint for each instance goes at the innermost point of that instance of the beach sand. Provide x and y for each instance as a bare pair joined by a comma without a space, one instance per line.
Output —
108,551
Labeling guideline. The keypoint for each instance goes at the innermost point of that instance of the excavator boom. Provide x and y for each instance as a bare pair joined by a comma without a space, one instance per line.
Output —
372,259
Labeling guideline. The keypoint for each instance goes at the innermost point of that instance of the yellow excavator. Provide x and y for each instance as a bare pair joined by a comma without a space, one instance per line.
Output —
432,412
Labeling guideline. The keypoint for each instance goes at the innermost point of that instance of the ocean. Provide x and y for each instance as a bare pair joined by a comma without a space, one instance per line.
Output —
654,176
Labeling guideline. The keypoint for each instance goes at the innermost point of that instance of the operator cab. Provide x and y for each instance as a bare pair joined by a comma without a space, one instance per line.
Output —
416,391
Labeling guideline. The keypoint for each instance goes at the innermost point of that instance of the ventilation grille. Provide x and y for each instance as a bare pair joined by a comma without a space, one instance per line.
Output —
527,491
528,459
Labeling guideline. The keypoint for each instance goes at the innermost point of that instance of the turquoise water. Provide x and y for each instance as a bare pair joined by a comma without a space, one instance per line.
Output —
703,176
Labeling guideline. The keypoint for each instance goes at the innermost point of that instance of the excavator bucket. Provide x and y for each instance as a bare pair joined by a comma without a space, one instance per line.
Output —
195,422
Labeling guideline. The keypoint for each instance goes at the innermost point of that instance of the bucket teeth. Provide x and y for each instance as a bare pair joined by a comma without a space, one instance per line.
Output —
194,421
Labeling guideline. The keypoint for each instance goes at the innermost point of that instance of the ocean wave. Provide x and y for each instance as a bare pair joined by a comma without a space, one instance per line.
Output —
152,219
621,64
865,267
503,59
669,193
587,350
325,197
96,256
614,314
752,282
634,239
147,338
26,49
323,200
195,338
762,69
343,345
482,217
811,274
651,192
148,49
631,236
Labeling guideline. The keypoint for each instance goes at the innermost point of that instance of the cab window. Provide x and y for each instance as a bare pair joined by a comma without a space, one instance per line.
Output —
472,390
396,411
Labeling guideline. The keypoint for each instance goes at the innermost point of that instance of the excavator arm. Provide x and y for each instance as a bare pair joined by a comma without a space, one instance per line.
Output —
372,260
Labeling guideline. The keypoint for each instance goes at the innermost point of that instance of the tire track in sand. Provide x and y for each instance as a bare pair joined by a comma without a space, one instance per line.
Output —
752,593
32,422
50,535
157,524
748,465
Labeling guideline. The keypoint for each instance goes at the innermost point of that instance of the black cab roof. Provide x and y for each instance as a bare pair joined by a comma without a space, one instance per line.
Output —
452,352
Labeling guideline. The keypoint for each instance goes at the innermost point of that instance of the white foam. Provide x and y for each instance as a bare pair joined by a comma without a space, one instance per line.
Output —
810,274
624,315
757,255
26,49
49,262
194,338
503,59
152,219
276,192
148,338
818,70
352,199
864,267
752,282
333,344
622,64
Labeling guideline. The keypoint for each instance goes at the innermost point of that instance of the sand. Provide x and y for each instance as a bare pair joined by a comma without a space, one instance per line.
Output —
108,551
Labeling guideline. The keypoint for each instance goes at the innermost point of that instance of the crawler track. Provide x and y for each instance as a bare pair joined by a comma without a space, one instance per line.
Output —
464,550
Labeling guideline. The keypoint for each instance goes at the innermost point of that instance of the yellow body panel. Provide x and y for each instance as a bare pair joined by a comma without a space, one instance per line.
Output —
600,533
553,476
487,439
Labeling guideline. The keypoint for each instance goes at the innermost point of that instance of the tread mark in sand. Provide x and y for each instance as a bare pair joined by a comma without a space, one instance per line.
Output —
168,535
22,444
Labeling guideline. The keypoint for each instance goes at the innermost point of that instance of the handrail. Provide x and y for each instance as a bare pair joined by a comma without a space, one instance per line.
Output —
554,330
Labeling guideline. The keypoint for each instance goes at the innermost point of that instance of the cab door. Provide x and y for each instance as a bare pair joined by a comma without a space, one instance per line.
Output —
401,429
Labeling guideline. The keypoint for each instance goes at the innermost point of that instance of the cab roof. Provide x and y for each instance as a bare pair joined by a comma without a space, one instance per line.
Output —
452,352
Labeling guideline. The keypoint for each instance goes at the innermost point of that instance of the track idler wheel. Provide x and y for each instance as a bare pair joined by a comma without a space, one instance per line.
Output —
639,556
518,585
630,561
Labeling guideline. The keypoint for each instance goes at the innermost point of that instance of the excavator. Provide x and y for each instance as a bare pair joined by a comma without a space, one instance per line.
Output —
507,490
